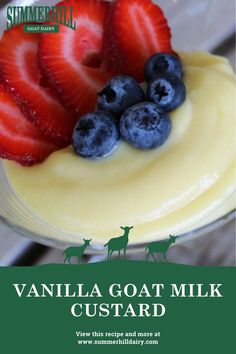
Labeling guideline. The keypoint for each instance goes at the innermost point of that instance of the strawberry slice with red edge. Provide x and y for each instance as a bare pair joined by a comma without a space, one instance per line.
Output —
71,60
22,78
20,140
134,30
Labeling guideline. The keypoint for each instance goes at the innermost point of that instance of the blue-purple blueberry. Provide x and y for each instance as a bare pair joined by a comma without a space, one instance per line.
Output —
163,62
95,135
167,91
145,126
120,93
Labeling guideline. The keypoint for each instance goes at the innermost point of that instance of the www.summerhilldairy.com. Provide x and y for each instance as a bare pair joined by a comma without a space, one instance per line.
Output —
30,14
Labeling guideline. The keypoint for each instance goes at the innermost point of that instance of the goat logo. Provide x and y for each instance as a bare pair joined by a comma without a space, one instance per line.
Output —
76,252
160,247
118,243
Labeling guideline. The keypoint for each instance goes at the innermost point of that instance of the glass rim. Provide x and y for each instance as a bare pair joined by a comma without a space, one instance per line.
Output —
57,243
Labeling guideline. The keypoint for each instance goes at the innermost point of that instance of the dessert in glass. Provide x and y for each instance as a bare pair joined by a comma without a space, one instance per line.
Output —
161,160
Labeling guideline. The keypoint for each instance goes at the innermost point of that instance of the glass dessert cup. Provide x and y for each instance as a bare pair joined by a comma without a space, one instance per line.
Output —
22,220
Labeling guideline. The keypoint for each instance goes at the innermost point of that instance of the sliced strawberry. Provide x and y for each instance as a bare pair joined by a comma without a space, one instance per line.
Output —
71,60
22,78
20,140
134,30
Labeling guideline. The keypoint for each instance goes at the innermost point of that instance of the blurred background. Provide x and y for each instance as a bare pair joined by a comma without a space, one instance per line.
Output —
199,24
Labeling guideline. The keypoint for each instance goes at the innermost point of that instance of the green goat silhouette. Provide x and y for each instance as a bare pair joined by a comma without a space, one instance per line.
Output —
118,243
160,247
76,252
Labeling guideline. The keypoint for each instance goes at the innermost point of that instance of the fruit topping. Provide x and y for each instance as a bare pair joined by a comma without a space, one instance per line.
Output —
145,126
167,90
130,39
20,140
119,94
21,76
95,135
134,30
71,60
163,62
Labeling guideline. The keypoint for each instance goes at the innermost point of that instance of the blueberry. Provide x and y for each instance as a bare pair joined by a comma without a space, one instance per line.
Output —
167,91
120,93
163,62
95,135
145,125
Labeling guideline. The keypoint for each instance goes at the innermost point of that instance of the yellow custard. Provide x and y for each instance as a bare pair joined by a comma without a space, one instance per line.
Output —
166,190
